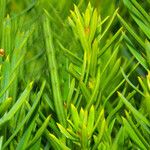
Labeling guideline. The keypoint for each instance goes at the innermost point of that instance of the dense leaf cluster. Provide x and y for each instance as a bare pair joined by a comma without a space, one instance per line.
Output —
74,74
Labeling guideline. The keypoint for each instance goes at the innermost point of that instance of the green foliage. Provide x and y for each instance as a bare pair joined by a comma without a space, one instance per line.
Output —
74,75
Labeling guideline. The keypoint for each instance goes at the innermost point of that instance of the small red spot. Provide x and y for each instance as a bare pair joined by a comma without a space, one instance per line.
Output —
65,105
2,53
87,30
